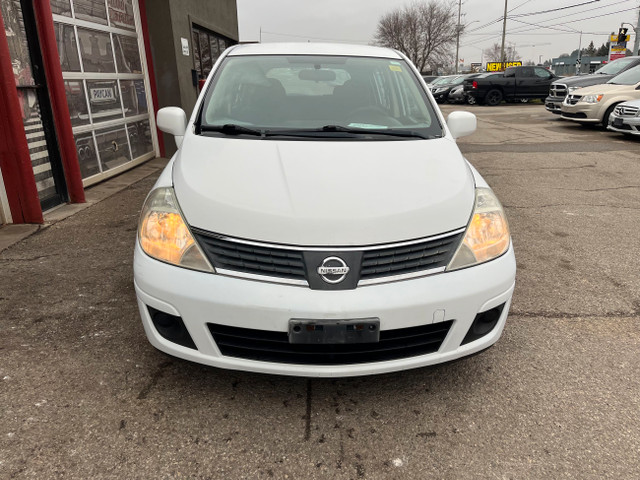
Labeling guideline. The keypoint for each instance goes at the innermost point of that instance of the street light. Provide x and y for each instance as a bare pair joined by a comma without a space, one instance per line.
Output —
636,41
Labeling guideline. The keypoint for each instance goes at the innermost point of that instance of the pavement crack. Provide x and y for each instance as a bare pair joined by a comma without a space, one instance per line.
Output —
597,189
307,417
551,205
570,315
154,380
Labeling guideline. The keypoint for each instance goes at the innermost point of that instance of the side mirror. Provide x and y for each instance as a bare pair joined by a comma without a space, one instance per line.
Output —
461,124
172,120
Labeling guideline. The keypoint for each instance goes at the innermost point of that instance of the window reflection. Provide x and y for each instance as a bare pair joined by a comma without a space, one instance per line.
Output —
127,54
77,102
140,138
61,7
97,55
113,147
91,10
121,14
134,97
67,47
87,154
104,100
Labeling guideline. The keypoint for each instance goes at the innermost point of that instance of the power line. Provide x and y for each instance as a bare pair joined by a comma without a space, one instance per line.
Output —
556,9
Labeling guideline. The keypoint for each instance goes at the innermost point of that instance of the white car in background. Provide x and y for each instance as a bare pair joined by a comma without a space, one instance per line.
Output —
319,220
626,118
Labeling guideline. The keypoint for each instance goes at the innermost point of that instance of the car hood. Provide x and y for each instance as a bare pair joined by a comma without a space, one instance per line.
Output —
585,80
604,89
321,193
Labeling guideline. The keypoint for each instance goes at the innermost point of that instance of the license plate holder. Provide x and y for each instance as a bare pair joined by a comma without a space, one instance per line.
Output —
324,332
617,122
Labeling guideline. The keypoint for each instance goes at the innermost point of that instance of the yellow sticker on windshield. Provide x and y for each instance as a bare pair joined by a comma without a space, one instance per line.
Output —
395,68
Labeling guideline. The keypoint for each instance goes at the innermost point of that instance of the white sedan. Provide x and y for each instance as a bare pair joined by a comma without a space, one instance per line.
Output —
319,220
626,118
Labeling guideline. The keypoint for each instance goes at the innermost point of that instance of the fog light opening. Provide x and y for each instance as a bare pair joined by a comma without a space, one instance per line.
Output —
171,328
483,324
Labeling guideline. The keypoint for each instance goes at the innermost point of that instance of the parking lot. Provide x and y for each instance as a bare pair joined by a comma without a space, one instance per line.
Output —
84,395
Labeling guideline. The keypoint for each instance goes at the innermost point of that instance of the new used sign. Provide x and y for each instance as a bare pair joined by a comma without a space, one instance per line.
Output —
500,66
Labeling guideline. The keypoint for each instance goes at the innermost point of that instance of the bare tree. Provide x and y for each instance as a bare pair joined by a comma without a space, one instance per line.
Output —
492,54
425,32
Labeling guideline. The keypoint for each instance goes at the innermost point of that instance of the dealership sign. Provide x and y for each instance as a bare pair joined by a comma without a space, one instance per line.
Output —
501,66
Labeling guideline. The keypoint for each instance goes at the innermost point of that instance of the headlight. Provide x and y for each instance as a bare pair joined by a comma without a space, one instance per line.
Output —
164,235
487,235
438,90
591,98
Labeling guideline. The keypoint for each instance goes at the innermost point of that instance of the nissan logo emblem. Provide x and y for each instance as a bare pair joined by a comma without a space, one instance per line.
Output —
333,270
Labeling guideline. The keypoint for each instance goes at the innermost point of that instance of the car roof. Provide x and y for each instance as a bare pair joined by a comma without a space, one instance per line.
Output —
313,49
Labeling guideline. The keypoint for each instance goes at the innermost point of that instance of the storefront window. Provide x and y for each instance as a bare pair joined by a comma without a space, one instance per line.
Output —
95,48
106,92
140,138
113,147
77,102
67,47
134,97
207,47
94,11
61,7
127,54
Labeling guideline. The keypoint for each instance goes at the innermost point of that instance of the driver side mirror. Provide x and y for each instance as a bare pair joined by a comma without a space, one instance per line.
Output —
172,120
461,124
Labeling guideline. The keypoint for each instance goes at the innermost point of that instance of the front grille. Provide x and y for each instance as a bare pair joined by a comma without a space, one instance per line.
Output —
294,264
558,90
251,259
409,258
269,346
573,99
626,111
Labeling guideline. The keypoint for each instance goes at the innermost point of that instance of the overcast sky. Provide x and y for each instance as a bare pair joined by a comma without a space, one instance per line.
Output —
355,21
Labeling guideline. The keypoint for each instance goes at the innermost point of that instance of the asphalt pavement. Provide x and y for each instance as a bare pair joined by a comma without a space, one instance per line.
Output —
84,395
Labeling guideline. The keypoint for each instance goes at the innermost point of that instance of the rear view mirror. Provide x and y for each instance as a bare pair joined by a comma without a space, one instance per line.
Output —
317,75
461,124
172,120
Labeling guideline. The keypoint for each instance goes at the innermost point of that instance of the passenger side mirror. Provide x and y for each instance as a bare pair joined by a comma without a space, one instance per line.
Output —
172,120
461,124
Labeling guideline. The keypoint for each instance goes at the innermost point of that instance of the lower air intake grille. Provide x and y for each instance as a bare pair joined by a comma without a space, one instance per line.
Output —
269,346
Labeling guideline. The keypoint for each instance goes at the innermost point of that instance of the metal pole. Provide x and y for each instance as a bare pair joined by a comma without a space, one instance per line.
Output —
636,43
504,32
579,62
458,35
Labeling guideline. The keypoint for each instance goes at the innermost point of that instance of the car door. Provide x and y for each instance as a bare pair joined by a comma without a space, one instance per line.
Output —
525,82
542,81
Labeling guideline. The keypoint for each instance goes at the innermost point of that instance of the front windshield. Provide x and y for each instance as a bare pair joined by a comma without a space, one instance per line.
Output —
630,77
279,92
615,67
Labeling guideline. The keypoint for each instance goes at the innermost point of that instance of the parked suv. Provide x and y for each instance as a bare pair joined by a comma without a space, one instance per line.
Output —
596,103
319,219
561,88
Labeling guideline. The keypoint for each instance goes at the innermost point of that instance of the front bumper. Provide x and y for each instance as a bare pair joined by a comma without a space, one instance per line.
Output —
582,112
201,298
554,104
630,125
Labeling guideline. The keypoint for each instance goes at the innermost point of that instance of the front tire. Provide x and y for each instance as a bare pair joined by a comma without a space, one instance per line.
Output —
471,100
607,114
493,98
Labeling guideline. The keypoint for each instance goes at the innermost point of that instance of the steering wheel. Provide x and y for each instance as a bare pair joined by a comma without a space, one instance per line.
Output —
373,114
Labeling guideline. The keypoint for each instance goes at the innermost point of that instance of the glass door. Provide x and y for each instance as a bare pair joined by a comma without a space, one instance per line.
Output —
37,118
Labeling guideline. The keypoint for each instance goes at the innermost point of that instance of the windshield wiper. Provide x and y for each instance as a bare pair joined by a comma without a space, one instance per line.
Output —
352,131
233,129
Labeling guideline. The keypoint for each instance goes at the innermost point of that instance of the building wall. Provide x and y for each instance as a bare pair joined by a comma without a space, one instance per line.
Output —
171,20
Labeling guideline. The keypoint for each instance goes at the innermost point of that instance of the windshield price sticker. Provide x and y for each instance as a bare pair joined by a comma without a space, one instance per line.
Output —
101,94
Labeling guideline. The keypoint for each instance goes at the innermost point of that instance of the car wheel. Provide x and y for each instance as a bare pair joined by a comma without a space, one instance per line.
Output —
607,114
493,97
471,100
524,100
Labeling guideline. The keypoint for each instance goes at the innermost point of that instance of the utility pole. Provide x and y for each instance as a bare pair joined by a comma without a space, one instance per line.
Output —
458,36
636,43
504,32
579,60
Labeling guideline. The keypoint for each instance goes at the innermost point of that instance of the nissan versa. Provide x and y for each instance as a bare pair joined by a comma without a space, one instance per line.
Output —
319,219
